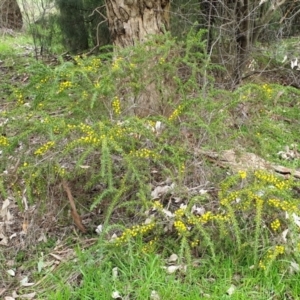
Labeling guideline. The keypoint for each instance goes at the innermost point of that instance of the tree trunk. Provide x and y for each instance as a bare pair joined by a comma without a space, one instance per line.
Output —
10,15
242,39
132,20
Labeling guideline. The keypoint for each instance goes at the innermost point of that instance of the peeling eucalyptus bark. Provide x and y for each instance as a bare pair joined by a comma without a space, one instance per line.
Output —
132,20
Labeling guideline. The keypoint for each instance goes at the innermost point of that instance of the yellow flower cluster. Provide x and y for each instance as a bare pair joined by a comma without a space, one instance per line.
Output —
20,98
226,185
243,174
116,64
149,247
262,265
71,127
45,121
64,85
116,105
133,232
93,65
157,205
259,202
85,128
283,205
271,256
221,217
144,153
162,61
268,90
195,243
84,95
60,171
180,227
56,130
275,225
176,113
44,80
132,66
78,60
43,149
29,116
208,216
232,197
3,141
271,179
182,169
117,132
179,213
91,137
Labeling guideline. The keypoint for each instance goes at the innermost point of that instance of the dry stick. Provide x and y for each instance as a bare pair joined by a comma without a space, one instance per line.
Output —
74,213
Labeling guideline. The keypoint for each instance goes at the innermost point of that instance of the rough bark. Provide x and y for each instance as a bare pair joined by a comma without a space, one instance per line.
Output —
133,20
10,15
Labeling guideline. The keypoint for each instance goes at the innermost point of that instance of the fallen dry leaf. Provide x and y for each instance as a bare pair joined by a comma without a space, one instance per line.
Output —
4,212
57,257
294,267
3,239
113,238
168,213
154,295
231,290
198,210
25,226
24,282
2,291
115,273
28,296
284,234
116,295
161,191
173,258
11,272
99,229
171,269
84,167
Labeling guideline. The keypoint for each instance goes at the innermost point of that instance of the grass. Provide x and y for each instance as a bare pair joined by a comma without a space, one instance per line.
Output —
70,123
139,274
14,61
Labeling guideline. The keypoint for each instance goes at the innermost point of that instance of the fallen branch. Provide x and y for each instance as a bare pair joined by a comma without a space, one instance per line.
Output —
243,161
74,213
